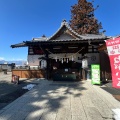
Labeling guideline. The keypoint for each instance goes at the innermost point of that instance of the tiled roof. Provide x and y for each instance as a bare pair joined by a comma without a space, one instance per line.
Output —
23,44
40,39
79,38
93,36
64,23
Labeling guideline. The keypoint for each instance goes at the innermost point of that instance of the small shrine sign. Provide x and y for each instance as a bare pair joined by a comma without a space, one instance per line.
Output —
95,73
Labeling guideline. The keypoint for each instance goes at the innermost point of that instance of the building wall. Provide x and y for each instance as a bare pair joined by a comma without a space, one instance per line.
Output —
93,58
33,60
105,66
64,37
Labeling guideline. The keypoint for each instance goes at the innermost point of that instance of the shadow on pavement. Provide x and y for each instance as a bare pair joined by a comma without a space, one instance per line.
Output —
10,91
52,97
114,91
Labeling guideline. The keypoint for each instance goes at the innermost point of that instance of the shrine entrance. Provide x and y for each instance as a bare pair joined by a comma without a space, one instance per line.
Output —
65,71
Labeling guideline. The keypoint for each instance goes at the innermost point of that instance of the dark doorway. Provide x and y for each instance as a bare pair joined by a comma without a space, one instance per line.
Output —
71,69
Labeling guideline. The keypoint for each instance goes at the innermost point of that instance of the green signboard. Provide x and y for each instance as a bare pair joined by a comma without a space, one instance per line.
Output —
95,73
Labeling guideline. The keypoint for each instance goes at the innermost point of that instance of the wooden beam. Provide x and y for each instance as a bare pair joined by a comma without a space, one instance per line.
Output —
102,47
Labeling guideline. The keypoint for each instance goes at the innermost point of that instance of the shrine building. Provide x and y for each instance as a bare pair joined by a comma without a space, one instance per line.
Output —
66,55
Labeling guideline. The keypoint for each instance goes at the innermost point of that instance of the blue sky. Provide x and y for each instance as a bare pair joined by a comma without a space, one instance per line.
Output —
21,20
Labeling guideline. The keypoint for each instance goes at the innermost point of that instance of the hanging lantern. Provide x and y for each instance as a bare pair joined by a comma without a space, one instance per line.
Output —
56,58
84,63
67,60
72,58
62,61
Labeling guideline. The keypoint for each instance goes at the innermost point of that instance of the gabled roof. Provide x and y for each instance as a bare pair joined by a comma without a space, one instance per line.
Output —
65,24
70,36
64,28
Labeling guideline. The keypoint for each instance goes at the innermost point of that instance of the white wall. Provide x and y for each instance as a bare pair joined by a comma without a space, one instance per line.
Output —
33,60
93,58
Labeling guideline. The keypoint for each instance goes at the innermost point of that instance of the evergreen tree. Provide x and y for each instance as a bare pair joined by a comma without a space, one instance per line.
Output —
82,18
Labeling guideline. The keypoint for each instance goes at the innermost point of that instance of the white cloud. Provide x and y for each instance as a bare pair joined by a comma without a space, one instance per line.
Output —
1,58
13,59
16,59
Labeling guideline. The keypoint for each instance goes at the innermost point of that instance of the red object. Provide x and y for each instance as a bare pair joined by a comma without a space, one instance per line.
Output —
15,79
113,48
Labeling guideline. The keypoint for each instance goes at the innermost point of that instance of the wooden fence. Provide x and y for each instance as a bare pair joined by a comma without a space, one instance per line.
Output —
29,73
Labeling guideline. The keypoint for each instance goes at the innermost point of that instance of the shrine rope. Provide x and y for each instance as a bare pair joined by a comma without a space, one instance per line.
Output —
67,56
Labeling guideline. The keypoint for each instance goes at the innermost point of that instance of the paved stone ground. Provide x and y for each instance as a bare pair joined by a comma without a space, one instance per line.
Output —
9,91
56,100
62,101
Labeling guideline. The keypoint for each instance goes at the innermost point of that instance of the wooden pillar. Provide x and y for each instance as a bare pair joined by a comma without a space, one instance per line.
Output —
83,74
47,69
